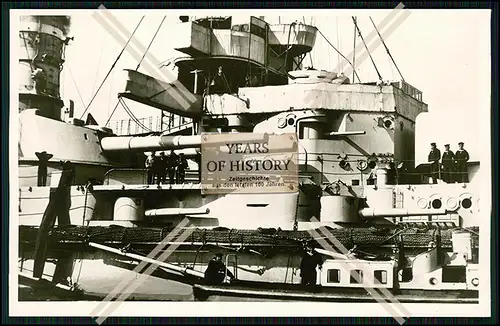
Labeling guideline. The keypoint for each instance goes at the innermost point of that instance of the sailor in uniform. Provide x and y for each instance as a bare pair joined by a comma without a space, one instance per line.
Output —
218,83
40,80
310,261
43,160
217,271
172,166
433,158
182,165
461,159
448,163
150,162
161,166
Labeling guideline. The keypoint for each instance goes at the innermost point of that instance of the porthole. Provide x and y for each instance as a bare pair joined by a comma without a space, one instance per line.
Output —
436,203
466,203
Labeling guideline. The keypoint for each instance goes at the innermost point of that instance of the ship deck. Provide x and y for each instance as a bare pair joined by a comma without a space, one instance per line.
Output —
296,292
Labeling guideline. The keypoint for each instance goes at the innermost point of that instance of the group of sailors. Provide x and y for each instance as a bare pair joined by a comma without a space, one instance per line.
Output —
159,167
450,167
217,271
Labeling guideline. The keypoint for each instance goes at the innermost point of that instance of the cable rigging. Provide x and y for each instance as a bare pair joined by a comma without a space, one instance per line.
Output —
367,50
112,112
132,116
310,55
354,56
111,91
99,62
76,86
387,49
339,62
150,43
338,52
112,67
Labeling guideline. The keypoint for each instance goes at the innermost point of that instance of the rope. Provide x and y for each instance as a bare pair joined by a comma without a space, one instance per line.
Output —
340,53
354,57
132,116
387,49
99,62
288,44
117,102
27,51
81,260
363,40
147,49
112,67
76,86
310,55
111,91
287,266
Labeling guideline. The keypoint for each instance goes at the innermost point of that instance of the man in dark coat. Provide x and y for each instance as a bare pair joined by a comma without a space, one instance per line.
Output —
310,261
216,271
433,158
218,83
448,163
172,166
161,167
43,160
40,80
461,158
182,165
150,164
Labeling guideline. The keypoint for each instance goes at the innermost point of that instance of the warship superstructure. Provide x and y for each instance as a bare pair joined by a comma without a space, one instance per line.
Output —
357,177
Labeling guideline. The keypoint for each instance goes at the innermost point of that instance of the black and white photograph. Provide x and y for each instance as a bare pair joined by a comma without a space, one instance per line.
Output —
302,162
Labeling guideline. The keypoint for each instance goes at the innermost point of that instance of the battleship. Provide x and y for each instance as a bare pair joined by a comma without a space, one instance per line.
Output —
93,219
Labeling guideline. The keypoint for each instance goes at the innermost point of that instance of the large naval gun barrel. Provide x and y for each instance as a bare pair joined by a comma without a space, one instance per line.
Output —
346,209
149,143
397,212
167,142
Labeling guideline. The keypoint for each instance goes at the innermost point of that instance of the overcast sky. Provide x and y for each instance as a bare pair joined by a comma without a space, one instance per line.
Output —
444,53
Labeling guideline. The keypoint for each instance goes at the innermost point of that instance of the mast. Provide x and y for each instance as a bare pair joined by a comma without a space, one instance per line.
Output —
43,40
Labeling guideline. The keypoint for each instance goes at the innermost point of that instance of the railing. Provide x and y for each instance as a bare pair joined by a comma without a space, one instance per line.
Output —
326,165
126,127
140,176
410,90
320,165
